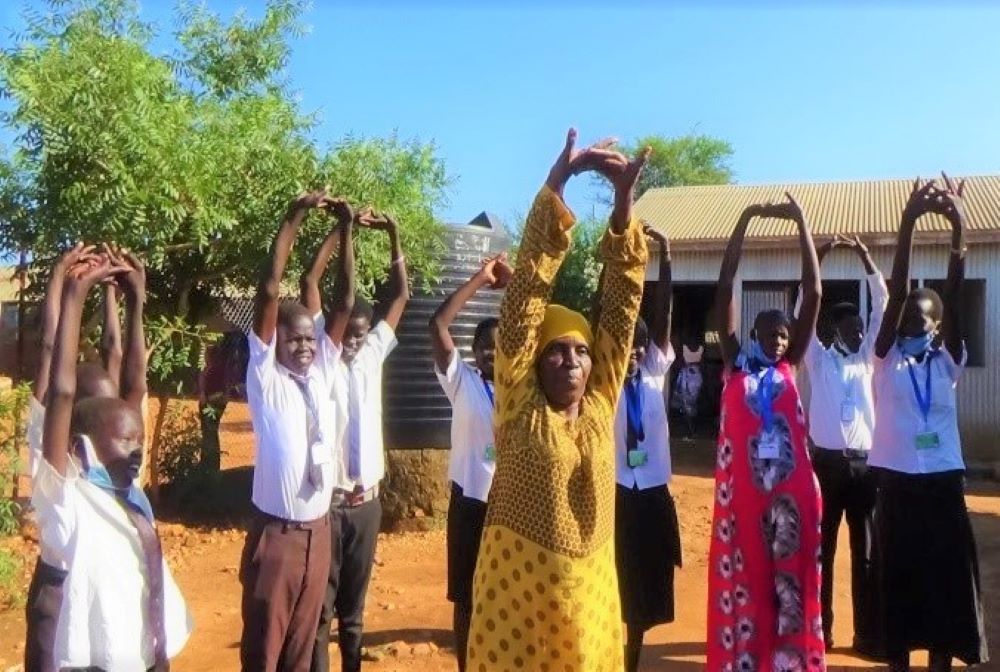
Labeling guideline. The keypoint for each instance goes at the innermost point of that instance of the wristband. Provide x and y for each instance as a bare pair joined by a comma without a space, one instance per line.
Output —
959,251
400,260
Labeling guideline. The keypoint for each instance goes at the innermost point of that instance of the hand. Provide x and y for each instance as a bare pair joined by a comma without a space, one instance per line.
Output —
656,235
133,280
790,210
856,243
339,208
625,176
495,272
87,273
930,199
597,157
378,222
308,200
72,256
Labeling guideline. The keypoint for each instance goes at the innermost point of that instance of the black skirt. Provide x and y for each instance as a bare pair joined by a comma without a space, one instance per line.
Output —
926,568
647,547
465,528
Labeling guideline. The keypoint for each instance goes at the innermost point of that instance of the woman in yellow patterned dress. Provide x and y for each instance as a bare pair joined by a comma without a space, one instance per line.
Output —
545,593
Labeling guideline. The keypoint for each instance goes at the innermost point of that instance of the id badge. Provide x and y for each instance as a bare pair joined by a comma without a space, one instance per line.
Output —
928,441
847,411
637,458
490,453
769,446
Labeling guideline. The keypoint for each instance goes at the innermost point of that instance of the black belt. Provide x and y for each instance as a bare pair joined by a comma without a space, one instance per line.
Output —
344,499
286,524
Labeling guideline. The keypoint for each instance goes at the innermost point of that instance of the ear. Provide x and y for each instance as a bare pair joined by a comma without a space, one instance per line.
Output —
753,334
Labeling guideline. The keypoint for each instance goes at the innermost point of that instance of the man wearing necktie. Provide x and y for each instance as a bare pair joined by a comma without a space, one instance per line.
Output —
356,511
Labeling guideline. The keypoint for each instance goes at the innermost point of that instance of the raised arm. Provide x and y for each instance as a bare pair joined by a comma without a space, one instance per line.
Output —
812,288
133,282
51,308
399,282
495,273
266,302
951,324
62,384
725,304
664,296
340,237
899,282
111,336
543,246
623,251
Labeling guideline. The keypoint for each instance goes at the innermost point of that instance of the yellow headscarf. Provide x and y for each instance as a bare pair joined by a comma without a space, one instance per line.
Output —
559,322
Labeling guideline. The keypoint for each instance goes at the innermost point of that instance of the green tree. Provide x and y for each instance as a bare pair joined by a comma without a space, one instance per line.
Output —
189,158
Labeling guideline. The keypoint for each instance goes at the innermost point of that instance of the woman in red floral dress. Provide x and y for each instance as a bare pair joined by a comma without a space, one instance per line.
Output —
764,574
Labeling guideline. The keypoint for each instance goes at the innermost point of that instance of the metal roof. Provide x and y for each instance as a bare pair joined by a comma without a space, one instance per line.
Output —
868,208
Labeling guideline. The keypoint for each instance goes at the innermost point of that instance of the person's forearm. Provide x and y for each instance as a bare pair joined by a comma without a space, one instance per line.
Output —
440,322
810,262
50,322
111,336
725,306
134,385
868,262
398,280
62,386
621,212
664,299
310,280
269,289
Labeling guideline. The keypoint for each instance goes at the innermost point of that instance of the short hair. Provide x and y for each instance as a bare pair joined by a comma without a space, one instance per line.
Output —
844,309
290,311
772,314
362,308
93,414
640,333
93,381
926,293
484,327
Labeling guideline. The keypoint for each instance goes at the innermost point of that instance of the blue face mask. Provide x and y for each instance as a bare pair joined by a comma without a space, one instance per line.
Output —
915,346
95,473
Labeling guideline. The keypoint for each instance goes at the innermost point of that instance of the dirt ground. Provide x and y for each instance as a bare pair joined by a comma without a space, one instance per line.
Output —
408,620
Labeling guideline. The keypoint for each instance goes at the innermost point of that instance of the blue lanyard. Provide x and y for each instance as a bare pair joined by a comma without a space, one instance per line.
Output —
489,392
923,401
633,410
765,398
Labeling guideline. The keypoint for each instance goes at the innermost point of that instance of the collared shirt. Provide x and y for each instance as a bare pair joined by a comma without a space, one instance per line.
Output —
469,465
105,596
653,369
280,416
359,386
839,382
899,419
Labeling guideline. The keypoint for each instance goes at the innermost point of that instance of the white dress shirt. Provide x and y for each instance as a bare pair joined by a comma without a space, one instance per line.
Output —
653,369
105,596
469,465
282,486
899,419
360,385
841,406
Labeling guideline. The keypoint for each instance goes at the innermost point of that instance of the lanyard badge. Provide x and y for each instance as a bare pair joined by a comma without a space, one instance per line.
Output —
634,431
927,439
769,442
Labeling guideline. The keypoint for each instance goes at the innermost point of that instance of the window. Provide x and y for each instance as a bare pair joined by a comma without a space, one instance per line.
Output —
973,314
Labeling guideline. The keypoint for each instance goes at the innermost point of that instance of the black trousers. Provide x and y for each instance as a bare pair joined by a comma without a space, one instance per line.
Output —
355,533
848,488
45,596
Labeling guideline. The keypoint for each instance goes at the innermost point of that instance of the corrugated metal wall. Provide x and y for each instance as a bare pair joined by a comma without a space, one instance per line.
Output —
979,390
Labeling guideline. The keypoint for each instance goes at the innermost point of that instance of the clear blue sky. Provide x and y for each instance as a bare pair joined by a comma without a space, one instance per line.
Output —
827,92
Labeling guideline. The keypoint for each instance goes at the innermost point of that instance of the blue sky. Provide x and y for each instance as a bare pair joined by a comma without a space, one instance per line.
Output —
822,92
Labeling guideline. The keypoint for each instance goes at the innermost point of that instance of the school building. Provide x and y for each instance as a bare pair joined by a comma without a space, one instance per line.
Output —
699,220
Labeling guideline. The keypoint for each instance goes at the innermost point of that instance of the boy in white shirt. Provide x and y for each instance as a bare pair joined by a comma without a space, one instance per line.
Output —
841,422
286,558
472,462
121,609
92,380
356,511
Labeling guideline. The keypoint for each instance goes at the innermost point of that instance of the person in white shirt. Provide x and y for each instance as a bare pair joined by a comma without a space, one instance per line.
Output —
926,569
286,557
472,460
841,421
356,511
121,610
92,380
647,537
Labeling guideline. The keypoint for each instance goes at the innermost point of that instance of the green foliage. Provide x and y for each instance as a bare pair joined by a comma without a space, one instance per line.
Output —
11,579
683,160
578,276
190,159
13,418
